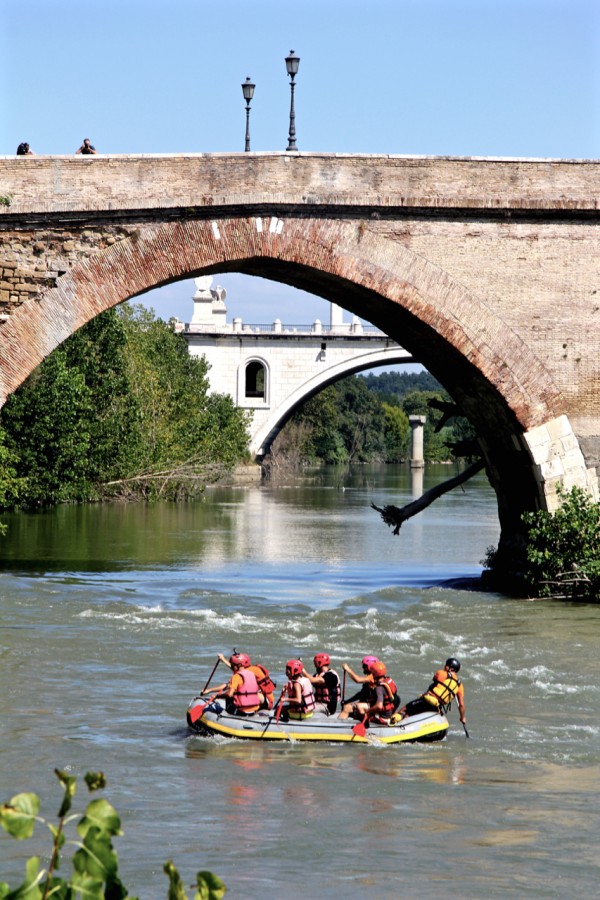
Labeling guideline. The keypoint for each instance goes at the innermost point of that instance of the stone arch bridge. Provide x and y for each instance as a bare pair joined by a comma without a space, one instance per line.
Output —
486,270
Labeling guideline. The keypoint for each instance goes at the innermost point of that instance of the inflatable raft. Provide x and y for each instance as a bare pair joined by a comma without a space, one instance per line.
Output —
211,718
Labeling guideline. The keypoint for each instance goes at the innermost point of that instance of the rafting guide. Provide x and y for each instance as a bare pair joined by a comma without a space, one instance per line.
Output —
306,708
444,688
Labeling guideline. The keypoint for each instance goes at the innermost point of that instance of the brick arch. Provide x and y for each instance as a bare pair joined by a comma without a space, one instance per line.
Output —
495,377
389,285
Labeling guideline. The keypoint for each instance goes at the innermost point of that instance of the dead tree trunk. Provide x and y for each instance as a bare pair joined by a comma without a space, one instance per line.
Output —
394,516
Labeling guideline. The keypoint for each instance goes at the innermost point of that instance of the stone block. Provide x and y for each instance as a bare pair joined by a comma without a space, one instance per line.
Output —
538,442
559,428
553,468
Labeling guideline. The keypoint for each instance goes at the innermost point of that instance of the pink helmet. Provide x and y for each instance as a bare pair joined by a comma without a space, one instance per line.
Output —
294,666
369,660
240,659
322,659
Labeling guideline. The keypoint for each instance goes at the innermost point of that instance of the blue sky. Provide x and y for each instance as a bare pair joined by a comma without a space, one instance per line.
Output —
457,77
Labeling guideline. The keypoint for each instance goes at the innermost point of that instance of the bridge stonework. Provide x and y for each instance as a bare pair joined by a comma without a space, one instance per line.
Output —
486,270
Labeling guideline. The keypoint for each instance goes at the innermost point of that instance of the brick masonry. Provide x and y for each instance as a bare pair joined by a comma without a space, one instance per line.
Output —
487,270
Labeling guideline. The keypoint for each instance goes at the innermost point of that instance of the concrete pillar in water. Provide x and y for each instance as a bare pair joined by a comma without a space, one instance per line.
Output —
417,424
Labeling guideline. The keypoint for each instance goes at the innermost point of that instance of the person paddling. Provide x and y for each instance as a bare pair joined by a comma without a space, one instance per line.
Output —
350,708
384,696
241,691
438,697
326,683
266,685
300,702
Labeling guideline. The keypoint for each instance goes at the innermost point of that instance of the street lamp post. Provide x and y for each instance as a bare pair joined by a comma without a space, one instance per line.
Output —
291,63
248,92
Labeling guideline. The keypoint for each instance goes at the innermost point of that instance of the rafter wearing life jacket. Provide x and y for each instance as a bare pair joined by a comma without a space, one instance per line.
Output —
303,706
308,694
442,690
248,695
391,700
322,692
265,683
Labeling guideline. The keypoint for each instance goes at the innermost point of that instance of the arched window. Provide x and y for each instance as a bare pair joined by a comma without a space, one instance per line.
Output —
255,380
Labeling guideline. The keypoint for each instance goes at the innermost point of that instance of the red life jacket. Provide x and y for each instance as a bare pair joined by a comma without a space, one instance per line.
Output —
264,680
391,700
248,695
322,693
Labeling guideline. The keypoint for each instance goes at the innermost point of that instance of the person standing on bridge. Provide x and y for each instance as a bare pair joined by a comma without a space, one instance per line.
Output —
87,147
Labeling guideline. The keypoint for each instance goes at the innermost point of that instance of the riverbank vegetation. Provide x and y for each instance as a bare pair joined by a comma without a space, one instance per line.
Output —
561,553
95,863
120,410
563,548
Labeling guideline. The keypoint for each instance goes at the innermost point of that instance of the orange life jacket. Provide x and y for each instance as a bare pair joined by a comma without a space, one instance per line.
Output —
248,694
442,690
264,680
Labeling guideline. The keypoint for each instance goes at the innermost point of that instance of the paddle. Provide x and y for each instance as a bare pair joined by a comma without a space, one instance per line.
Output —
278,713
279,705
210,678
360,729
344,689
277,709
466,732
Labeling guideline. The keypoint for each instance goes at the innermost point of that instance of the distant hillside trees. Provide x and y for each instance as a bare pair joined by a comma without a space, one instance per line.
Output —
120,409
365,419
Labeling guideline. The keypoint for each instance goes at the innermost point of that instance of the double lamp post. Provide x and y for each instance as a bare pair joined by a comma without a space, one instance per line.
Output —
291,63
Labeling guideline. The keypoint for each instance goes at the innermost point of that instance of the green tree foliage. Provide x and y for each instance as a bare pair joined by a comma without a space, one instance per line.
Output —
95,862
343,423
179,422
393,386
359,419
396,434
415,403
563,549
10,483
119,409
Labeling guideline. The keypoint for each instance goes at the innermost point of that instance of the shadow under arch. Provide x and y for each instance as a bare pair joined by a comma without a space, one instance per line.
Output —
494,377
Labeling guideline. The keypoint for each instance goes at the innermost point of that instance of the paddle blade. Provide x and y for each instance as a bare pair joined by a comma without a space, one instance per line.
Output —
359,729
195,713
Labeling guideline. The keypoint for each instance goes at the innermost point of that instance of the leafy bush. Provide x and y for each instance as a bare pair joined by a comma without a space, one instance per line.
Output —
120,409
563,549
95,862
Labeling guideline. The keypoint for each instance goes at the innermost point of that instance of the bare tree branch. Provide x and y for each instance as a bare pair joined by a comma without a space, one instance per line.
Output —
395,516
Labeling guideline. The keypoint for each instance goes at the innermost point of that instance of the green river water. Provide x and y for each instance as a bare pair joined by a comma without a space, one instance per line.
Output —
110,621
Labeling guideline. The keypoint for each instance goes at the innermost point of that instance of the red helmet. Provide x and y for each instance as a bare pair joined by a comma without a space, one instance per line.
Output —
294,666
369,660
322,659
240,659
377,669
